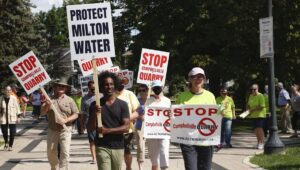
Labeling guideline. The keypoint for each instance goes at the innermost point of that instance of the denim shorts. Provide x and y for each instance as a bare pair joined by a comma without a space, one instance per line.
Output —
258,122
92,136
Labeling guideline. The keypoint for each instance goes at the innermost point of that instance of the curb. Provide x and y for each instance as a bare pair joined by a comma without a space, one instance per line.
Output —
254,166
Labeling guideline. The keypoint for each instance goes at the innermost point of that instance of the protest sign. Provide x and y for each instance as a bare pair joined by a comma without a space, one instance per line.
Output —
195,124
157,123
102,64
126,77
90,30
153,66
84,84
114,69
32,76
30,72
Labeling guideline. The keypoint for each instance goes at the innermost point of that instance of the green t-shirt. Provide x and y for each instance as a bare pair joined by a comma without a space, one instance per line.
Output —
253,102
77,100
189,98
228,104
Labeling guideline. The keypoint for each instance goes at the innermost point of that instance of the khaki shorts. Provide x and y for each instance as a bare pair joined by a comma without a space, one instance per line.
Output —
109,159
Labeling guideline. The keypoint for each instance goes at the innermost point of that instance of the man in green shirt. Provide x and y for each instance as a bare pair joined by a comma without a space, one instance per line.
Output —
228,114
257,108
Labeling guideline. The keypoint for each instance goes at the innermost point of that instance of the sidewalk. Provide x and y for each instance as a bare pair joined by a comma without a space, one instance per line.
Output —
29,151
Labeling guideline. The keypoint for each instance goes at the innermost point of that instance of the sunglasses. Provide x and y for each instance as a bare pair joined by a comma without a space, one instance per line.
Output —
197,77
142,90
252,89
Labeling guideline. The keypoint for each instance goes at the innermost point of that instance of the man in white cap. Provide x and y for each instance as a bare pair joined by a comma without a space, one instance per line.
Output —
196,157
158,148
67,108
284,103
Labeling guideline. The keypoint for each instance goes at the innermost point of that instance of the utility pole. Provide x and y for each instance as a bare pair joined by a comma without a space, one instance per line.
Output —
274,144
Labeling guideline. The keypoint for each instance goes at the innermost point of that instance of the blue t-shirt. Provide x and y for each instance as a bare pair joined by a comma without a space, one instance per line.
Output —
141,109
283,97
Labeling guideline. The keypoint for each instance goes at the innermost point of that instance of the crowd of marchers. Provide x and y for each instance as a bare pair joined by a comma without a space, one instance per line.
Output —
122,114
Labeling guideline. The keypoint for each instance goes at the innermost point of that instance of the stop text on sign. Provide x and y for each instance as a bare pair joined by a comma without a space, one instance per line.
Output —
154,59
158,112
25,66
198,111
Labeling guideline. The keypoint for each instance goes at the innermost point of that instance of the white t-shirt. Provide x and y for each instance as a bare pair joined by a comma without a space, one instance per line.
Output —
162,102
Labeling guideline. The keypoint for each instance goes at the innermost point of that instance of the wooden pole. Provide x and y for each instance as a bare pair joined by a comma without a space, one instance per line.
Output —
97,94
58,117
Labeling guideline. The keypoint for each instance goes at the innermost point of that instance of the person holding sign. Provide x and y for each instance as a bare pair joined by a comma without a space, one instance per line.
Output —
228,114
143,94
133,104
257,108
158,148
66,106
115,121
9,115
196,157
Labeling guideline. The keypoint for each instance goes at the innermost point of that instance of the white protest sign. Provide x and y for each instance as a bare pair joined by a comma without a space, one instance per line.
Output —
90,31
30,72
84,84
157,123
195,124
86,66
266,37
114,69
126,77
153,66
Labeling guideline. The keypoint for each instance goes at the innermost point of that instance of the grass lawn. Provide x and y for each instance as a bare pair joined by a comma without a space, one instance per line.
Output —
290,160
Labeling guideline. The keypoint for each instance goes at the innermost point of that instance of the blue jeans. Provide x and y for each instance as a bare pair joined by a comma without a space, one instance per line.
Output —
226,131
197,157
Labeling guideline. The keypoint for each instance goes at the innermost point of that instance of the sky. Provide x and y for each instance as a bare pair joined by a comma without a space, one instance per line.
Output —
45,5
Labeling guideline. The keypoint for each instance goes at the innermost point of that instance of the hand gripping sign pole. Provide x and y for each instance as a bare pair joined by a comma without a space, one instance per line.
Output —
95,77
58,118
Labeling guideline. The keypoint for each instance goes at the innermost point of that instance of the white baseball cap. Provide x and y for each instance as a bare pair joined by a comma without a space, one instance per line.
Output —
156,83
195,71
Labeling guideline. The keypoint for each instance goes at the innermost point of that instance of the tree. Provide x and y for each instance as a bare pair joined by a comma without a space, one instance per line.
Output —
222,37
17,35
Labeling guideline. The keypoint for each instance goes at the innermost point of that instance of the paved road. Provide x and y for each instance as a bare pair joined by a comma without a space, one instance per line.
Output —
30,151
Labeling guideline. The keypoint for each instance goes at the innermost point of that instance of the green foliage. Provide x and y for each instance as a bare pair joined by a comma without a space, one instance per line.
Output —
18,35
289,160
176,85
223,38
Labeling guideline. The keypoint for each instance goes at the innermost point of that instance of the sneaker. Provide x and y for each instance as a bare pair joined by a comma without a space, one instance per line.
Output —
260,146
9,148
93,162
